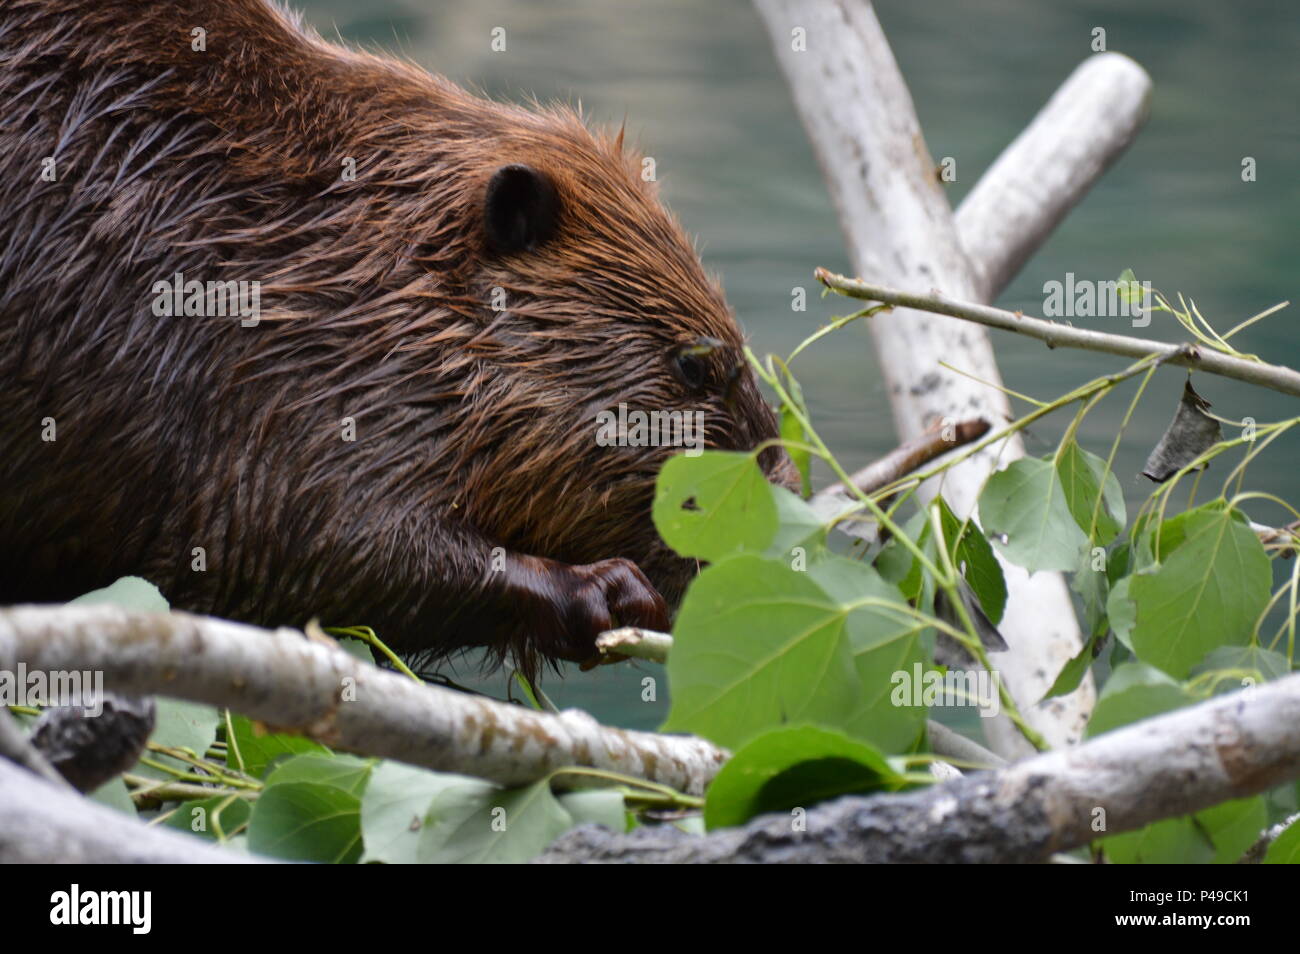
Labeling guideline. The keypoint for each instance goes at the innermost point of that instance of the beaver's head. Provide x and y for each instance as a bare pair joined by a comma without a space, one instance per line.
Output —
604,349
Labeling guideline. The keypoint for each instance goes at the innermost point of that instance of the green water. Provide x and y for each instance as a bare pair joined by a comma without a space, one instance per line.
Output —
701,93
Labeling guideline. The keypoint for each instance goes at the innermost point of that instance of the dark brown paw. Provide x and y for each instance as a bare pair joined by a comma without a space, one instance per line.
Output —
601,596
572,605
607,594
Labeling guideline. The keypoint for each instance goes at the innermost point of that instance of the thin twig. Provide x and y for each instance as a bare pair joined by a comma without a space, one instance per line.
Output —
1054,334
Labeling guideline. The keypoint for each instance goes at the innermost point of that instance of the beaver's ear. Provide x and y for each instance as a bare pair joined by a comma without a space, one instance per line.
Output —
520,209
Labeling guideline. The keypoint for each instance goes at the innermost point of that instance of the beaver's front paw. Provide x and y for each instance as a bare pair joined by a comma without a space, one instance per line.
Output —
568,606
604,595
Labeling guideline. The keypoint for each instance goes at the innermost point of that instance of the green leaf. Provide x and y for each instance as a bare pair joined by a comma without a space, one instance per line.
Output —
602,806
1072,673
397,803
1285,849
714,505
1133,692
346,772
1025,509
1172,841
1080,474
1117,562
879,717
115,794
180,725
792,431
895,563
1218,835
882,643
306,821
757,645
1254,661
1207,593
797,526
129,592
898,565
1233,827
793,767
261,749
201,817
850,582
1093,587
1121,612
508,827
970,551
1129,289
691,825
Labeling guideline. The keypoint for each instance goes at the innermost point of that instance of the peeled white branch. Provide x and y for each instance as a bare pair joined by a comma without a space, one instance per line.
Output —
1227,748
288,681
898,225
635,642
42,823
908,457
1050,167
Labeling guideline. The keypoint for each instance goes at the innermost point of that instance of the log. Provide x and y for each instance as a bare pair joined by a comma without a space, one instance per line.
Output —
1182,762
297,684
45,823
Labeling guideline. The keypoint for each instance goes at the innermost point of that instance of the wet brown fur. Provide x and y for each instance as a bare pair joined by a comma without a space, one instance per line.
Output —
475,428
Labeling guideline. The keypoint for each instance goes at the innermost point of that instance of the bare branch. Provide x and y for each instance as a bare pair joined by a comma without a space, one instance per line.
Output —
1056,335
288,681
910,456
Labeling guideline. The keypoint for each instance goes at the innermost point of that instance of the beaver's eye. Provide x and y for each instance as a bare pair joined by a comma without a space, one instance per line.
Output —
689,361
690,368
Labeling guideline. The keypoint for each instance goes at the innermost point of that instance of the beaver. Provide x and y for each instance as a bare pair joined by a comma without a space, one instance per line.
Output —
401,432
